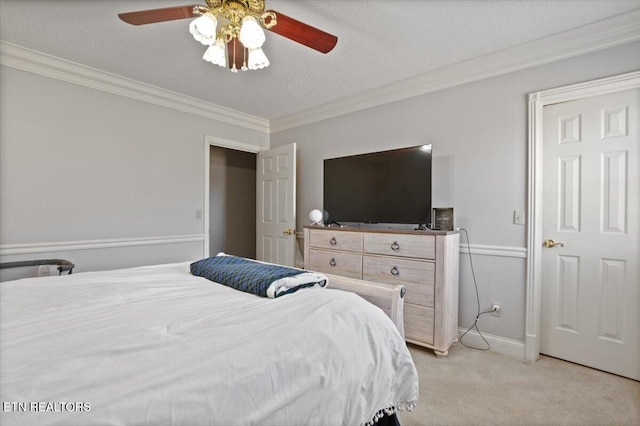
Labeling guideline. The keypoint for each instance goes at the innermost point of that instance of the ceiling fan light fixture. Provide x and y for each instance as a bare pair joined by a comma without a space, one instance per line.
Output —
216,53
237,43
257,59
251,33
203,28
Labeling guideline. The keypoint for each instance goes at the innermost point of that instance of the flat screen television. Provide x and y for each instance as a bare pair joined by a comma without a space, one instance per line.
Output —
380,187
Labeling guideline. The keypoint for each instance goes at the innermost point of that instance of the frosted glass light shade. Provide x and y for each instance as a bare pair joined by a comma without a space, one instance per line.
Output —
251,33
216,53
315,216
203,28
257,59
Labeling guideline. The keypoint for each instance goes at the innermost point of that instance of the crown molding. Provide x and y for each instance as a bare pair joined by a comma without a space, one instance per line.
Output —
589,38
22,58
600,35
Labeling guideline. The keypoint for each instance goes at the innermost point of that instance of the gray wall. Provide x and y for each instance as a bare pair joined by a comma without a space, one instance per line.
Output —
232,200
79,164
479,136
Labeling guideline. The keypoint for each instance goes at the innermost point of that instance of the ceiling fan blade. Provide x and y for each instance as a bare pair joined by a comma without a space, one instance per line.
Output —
142,17
303,33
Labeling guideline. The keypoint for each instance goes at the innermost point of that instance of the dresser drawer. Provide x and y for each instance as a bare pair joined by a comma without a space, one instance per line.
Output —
418,323
417,276
345,264
421,246
336,240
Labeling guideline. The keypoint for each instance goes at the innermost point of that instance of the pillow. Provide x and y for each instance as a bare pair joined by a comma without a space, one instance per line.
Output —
251,276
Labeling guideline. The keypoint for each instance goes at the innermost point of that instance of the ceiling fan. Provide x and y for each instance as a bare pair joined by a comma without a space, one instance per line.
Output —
233,30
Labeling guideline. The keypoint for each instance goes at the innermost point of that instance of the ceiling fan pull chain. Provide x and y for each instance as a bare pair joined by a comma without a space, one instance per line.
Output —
234,69
244,58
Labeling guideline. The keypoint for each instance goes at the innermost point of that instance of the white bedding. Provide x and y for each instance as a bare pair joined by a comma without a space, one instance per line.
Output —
158,346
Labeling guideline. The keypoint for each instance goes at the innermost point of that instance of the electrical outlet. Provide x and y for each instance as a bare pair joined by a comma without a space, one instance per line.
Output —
462,222
495,309
198,214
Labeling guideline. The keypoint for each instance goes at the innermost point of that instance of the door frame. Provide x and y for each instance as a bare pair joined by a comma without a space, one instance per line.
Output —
210,141
537,101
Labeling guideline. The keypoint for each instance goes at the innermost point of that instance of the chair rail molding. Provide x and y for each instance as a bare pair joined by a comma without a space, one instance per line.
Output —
31,248
488,250
537,102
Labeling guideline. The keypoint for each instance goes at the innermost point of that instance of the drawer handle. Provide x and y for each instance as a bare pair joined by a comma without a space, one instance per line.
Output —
332,262
333,241
395,246
395,271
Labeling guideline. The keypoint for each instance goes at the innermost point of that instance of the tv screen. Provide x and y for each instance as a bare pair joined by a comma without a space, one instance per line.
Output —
381,187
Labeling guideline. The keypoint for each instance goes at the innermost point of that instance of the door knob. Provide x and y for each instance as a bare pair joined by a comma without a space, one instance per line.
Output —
551,244
289,232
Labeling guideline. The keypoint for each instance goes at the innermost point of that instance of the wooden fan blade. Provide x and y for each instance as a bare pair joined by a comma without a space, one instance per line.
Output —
151,16
303,33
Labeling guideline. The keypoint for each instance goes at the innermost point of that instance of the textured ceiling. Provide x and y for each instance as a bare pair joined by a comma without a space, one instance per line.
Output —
379,42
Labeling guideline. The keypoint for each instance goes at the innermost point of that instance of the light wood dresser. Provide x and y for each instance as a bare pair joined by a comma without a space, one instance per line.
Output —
425,262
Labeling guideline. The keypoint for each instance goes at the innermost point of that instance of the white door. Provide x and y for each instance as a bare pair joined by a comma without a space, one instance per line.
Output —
591,210
276,205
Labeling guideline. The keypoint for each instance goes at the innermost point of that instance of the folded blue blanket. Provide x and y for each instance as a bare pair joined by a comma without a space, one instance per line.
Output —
251,276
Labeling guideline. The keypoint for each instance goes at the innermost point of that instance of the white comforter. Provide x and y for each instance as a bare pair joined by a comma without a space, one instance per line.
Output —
158,346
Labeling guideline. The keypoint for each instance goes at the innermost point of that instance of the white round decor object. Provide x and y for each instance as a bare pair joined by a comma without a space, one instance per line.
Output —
315,216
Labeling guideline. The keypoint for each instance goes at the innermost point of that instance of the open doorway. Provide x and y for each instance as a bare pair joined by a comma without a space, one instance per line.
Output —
231,211
232,202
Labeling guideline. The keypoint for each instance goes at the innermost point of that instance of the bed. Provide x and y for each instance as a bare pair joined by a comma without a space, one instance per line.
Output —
157,345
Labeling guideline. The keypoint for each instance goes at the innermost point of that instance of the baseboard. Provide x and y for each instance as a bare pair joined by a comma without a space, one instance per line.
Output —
498,344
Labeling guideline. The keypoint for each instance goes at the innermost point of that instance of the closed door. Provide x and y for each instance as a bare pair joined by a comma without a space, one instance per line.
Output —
591,216
276,205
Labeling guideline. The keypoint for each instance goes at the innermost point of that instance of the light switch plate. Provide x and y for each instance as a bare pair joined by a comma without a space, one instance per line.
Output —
518,217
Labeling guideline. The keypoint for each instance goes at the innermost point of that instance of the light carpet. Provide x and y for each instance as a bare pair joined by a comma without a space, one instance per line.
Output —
472,387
